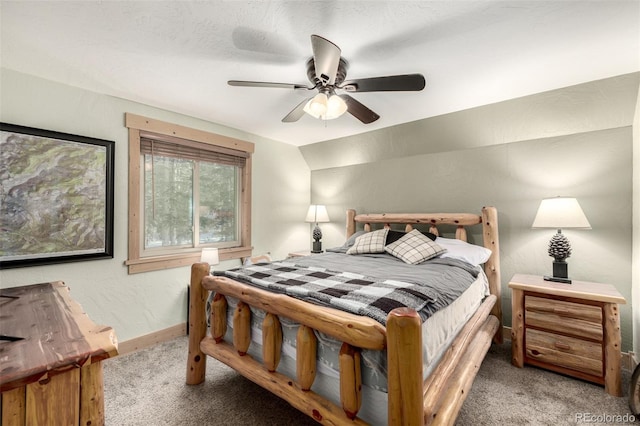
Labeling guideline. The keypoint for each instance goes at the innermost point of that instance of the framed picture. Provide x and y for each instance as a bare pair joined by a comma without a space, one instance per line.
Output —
56,197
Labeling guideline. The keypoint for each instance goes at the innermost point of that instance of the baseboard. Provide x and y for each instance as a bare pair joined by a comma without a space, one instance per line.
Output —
151,339
506,332
628,360
633,361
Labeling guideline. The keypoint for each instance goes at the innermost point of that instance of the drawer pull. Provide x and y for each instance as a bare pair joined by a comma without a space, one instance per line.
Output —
560,311
561,345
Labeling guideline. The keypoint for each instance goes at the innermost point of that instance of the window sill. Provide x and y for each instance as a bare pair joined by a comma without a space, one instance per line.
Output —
156,263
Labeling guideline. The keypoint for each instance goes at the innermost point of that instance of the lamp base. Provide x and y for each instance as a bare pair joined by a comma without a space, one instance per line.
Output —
557,279
317,247
560,272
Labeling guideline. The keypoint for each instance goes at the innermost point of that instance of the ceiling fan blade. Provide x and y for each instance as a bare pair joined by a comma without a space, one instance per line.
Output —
296,113
266,84
358,110
326,57
392,83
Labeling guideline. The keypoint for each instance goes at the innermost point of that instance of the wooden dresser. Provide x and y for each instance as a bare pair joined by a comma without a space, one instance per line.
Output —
51,352
572,329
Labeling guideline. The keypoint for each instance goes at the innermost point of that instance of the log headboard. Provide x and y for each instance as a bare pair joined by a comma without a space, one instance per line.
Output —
488,218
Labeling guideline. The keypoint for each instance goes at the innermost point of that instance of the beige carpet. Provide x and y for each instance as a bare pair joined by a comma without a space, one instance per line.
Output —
148,388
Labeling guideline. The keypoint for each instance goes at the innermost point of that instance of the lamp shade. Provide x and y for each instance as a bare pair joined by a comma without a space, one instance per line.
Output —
336,106
317,213
317,107
210,256
560,213
325,108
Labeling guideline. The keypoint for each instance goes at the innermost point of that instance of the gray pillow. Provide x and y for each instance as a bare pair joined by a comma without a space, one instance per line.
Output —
347,244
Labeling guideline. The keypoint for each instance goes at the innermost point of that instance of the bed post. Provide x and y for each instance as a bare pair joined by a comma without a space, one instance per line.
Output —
351,222
197,361
404,367
492,266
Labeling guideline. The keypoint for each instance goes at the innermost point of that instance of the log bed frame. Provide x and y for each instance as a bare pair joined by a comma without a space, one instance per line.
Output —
411,400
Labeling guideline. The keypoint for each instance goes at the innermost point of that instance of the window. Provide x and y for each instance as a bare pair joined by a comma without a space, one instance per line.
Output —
188,189
191,197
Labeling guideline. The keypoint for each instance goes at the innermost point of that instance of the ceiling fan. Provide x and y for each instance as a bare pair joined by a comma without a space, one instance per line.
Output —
327,71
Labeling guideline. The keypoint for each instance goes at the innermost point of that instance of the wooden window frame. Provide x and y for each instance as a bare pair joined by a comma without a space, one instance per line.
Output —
139,125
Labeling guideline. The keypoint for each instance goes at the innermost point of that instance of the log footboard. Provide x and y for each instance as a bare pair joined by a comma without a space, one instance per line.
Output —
411,400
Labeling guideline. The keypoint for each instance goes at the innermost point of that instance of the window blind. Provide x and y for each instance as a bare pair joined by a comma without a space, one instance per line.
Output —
191,150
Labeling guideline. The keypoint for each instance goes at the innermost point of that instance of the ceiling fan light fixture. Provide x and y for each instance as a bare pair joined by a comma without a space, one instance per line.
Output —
325,108
336,106
317,107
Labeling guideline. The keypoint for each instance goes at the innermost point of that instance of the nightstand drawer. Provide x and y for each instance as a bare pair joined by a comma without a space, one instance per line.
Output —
568,352
565,309
564,317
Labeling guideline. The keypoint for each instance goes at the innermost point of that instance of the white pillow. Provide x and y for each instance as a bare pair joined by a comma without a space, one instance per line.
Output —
414,247
458,249
370,242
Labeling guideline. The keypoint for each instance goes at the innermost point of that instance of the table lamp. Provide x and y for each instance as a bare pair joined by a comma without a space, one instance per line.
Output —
560,213
317,214
210,255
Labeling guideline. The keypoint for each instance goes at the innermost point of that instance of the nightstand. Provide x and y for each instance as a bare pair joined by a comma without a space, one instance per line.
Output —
299,253
572,329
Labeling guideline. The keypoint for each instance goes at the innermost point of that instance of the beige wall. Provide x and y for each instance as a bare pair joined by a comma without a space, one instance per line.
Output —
135,305
576,141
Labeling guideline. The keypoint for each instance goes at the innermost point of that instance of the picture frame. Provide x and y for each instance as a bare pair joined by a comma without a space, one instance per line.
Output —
56,197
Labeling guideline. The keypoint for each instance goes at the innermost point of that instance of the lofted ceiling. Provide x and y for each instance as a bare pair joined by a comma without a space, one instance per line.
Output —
179,55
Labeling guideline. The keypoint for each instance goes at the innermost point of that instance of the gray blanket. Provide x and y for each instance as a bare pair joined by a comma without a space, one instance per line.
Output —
370,285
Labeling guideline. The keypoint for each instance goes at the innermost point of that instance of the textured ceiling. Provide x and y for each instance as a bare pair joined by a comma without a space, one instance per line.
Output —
178,55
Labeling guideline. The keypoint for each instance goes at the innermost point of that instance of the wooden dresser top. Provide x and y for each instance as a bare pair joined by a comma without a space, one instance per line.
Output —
45,332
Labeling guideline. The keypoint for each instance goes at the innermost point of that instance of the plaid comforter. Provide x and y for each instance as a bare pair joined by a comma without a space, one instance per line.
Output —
347,291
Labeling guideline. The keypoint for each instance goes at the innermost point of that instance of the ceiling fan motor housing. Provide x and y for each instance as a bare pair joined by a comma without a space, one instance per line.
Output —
340,75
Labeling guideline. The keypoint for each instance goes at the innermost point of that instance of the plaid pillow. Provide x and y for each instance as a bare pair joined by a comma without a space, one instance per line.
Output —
414,248
370,242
